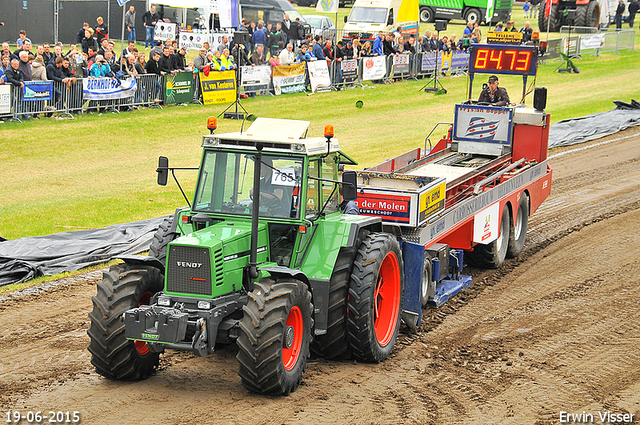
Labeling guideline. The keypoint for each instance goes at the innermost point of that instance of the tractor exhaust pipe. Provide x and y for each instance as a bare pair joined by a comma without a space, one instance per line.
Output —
253,254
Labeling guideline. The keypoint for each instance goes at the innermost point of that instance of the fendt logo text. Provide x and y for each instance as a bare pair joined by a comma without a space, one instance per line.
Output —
189,265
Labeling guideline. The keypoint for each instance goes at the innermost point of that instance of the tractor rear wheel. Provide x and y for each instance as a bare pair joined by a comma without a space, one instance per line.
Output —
161,240
554,15
123,287
274,336
518,232
375,297
492,255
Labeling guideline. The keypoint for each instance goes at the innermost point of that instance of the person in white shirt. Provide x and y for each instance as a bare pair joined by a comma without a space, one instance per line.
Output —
286,55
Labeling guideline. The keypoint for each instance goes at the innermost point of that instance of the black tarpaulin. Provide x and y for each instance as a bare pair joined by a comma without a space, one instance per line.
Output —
579,130
27,258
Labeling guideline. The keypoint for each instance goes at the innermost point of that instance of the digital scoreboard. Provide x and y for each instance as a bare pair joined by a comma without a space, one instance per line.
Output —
503,59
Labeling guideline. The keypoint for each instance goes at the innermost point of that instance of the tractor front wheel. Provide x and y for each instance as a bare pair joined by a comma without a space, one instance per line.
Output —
274,336
122,288
161,240
375,297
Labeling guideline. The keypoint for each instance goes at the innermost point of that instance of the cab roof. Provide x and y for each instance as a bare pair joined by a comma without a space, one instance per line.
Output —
275,135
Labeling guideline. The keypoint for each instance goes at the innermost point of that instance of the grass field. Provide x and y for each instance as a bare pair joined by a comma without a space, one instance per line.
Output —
95,171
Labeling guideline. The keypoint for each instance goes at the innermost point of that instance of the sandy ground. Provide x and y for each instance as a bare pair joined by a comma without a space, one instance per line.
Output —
555,330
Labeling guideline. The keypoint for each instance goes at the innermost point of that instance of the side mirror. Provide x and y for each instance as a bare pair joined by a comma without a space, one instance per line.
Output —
349,186
345,19
163,170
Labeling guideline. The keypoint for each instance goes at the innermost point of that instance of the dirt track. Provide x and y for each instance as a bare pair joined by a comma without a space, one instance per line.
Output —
557,329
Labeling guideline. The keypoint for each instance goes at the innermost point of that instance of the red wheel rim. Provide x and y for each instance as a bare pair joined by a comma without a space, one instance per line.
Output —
292,341
141,346
386,299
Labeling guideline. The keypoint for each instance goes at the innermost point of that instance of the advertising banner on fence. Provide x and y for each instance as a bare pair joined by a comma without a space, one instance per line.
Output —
193,40
460,59
254,78
319,76
349,69
289,78
429,62
178,88
107,88
374,68
400,64
218,87
446,60
165,31
5,98
37,90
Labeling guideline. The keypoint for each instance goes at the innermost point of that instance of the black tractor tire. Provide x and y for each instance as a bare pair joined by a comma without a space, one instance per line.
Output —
275,333
581,16
426,14
161,240
473,15
593,14
554,15
492,255
518,232
376,293
123,287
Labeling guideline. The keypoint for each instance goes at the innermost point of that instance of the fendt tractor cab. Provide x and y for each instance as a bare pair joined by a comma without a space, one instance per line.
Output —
262,257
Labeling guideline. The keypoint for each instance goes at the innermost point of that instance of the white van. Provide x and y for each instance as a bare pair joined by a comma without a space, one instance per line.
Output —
368,17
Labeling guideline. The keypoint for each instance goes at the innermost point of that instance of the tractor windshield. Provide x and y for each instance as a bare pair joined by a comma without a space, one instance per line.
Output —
225,184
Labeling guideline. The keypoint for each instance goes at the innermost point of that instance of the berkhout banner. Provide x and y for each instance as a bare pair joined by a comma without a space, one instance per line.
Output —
108,88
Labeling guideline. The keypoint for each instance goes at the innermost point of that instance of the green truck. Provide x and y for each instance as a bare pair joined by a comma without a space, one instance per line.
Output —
481,11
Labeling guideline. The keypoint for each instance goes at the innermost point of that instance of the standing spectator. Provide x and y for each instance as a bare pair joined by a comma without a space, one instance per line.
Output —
510,27
38,70
526,7
22,38
453,42
258,57
91,56
240,54
101,29
14,75
80,35
46,54
619,12
286,27
526,31
104,46
76,64
434,42
317,48
277,37
367,51
294,32
26,47
150,18
200,60
181,59
6,51
377,44
129,67
409,45
25,66
141,64
387,45
226,60
57,53
88,41
287,57
100,68
633,9
475,36
55,73
468,29
166,62
6,63
153,66
3,78
259,36
129,49
533,12
224,44
130,22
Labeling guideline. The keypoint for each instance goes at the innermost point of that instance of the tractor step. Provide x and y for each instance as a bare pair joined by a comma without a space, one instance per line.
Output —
449,288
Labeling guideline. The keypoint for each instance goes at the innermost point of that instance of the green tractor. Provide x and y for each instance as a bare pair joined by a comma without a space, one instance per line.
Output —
262,257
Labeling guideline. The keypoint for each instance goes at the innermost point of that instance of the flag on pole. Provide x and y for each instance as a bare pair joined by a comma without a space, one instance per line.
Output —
122,2
328,6
547,9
